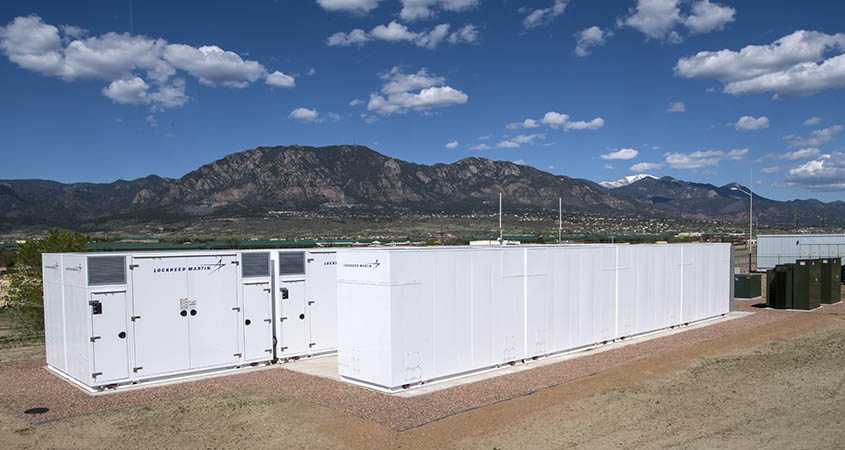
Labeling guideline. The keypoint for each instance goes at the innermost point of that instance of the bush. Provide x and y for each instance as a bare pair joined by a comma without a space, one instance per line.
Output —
26,294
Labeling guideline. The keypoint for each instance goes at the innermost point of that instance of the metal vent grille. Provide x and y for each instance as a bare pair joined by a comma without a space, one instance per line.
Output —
106,270
291,263
255,265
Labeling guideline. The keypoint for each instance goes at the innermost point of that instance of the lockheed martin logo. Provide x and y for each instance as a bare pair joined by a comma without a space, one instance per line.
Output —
194,268
372,266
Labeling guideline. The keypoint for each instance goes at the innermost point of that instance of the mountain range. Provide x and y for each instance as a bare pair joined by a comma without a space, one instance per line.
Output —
254,183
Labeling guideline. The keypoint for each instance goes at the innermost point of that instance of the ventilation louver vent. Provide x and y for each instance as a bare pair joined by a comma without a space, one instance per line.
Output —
291,263
104,270
255,265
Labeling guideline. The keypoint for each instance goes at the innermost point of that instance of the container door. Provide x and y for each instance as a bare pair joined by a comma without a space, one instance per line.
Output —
322,300
108,325
293,318
258,321
159,289
213,310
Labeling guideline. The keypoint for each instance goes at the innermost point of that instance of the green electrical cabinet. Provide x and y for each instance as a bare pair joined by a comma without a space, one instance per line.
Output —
830,280
806,283
747,285
780,287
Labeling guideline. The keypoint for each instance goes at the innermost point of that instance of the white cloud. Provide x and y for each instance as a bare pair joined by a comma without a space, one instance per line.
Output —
151,120
354,37
355,102
128,91
772,169
625,153
813,121
700,159
304,115
794,65
817,137
139,69
467,34
544,16
350,6
658,19
427,9
550,167
655,18
748,123
311,72
398,94
609,166
507,144
594,124
677,107
527,138
558,120
481,146
645,167
483,138
827,173
280,79
527,123
591,37
804,153
453,144
707,17
521,162
397,32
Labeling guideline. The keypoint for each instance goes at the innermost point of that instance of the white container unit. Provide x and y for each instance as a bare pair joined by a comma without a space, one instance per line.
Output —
306,303
123,318
777,249
410,316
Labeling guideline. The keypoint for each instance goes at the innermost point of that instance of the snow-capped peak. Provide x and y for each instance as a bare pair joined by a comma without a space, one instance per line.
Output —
626,181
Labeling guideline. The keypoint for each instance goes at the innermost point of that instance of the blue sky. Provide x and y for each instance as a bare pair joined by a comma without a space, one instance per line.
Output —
699,90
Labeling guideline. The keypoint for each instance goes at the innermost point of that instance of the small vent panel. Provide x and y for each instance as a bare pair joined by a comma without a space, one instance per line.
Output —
255,265
104,270
291,263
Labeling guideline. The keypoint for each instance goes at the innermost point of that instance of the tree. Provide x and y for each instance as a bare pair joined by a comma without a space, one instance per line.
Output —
26,293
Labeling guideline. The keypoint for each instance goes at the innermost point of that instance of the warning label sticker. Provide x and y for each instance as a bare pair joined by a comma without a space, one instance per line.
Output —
185,303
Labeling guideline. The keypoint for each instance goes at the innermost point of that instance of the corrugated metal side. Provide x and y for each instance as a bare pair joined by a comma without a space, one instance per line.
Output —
786,249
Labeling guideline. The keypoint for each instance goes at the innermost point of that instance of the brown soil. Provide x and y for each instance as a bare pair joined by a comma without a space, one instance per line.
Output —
777,385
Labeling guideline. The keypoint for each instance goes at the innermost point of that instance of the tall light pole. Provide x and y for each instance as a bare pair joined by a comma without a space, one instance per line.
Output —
559,218
750,194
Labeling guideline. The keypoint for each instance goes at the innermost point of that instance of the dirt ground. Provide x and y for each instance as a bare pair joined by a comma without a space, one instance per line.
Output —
780,385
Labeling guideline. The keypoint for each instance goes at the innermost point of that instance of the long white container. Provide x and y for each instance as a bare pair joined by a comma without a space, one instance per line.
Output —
124,318
410,316
777,249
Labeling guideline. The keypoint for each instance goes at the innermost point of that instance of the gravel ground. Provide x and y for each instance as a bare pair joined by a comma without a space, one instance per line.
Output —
26,384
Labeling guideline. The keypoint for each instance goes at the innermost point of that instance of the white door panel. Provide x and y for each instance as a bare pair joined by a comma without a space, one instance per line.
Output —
322,296
212,308
258,322
293,320
108,325
161,332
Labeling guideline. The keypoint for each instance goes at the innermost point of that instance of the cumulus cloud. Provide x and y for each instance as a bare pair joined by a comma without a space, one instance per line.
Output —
139,69
817,137
397,32
453,144
658,19
355,102
419,91
557,120
350,6
794,65
748,123
507,144
701,159
280,79
427,9
826,173
527,123
625,153
772,169
676,107
813,121
481,146
544,16
304,115
151,120
645,166
591,37
804,153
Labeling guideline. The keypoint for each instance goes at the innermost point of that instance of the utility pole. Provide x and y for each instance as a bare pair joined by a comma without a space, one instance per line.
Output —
750,217
501,237
559,218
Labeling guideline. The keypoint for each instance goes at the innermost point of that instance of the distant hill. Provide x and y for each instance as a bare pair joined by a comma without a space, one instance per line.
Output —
254,182
625,181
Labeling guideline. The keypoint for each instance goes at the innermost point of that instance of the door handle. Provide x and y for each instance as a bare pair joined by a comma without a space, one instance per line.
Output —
134,318
311,302
267,290
268,320
236,308
94,338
